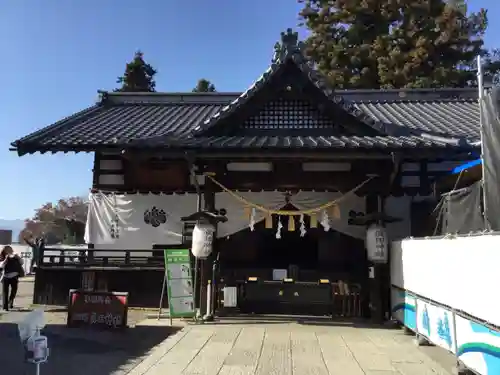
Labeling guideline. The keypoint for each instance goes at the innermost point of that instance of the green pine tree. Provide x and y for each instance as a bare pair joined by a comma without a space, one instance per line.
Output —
138,76
204,85
391,44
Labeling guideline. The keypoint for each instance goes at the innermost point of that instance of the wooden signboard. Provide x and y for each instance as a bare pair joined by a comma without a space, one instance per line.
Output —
97,309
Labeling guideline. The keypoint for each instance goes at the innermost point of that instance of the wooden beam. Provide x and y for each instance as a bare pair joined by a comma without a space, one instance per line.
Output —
338,181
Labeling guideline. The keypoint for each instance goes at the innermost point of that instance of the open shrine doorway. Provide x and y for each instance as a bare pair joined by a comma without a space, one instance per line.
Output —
315,272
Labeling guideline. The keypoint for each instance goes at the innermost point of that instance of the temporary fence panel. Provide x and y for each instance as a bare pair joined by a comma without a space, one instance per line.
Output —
445,290
460,272
475,344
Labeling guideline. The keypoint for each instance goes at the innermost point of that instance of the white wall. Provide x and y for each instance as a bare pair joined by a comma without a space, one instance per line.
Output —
460,272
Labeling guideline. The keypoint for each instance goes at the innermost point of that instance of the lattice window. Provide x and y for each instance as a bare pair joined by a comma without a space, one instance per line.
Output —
289,114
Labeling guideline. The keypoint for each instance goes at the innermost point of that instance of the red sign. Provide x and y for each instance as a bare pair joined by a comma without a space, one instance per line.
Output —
97,309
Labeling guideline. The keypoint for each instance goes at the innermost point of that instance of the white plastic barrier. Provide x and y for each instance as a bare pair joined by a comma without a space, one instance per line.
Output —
475,345
429,274
460,272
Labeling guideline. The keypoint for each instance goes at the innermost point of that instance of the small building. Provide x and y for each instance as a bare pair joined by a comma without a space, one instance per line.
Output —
291,163
5,236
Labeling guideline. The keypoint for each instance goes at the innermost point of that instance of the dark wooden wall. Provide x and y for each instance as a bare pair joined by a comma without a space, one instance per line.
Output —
125,172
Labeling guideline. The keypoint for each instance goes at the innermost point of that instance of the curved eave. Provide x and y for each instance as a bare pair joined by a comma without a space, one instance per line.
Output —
414,147
54,128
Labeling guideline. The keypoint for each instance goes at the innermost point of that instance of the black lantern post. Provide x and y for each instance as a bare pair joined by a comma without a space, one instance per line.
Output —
206,221
377,251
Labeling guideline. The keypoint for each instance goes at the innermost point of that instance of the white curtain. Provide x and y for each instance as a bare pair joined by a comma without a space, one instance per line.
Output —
136,221
237,220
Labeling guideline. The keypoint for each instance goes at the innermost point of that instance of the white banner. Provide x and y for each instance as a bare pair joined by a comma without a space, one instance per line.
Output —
136,221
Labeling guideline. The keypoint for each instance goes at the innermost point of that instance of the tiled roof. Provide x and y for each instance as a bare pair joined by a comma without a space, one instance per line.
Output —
289,50
298,142
403,118
122,118
450,117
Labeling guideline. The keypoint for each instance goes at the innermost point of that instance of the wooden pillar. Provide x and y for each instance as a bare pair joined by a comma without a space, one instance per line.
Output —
385,274
206,264
376,304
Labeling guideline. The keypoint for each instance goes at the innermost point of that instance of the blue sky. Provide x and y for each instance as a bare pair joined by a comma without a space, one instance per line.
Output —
57,54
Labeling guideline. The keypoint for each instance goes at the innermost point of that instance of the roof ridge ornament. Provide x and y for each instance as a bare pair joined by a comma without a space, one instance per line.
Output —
288,46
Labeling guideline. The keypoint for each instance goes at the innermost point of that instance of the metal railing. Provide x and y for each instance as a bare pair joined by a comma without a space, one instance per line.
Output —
115,258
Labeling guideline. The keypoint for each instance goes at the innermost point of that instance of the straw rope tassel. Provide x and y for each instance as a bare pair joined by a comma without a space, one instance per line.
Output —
314,221
335,212
291,223
269,221
247,211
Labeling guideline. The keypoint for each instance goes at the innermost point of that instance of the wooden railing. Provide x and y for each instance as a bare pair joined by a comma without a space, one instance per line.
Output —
347,300
89,258
338,299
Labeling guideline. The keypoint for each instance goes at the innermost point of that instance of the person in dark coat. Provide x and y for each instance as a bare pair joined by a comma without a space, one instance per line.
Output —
11,264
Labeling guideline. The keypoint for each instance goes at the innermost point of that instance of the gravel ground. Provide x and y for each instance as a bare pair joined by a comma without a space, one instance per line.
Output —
77,350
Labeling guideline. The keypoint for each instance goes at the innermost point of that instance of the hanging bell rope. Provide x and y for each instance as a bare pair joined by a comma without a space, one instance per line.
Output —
310,211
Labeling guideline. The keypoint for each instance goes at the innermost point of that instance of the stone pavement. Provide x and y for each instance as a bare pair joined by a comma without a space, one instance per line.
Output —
302,348
78,351
243,346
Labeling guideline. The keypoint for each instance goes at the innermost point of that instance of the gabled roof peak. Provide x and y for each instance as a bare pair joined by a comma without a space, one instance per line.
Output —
288,46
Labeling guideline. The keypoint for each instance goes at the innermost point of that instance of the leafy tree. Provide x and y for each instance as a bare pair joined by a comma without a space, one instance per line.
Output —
393,44
491,62
204,85
63,222
138,76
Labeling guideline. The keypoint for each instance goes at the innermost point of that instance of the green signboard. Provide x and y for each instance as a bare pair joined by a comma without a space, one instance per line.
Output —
179,283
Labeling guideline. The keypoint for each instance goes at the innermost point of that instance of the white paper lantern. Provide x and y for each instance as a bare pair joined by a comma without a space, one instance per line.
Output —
376,244
203,238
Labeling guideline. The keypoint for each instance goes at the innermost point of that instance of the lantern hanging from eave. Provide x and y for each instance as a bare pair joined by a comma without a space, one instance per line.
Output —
376,243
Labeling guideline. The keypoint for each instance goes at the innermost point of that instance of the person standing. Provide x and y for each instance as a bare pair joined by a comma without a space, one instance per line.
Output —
12,266
36,248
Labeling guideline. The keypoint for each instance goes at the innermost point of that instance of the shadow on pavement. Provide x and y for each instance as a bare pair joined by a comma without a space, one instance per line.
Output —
303,320
79,351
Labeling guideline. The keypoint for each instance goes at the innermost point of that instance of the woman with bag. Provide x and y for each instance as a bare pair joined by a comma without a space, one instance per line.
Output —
12,266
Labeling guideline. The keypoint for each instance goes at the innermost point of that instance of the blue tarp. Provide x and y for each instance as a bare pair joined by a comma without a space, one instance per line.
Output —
465,166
